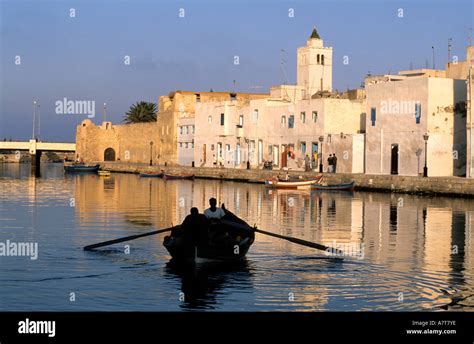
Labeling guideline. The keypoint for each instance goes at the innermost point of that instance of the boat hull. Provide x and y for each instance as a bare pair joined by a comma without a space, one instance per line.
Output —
81,169
334,187
151,175
305,184
173,177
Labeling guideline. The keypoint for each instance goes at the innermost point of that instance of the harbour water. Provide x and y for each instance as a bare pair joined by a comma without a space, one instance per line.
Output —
417,252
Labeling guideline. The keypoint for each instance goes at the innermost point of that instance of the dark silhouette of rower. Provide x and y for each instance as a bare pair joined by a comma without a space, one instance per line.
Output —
194,227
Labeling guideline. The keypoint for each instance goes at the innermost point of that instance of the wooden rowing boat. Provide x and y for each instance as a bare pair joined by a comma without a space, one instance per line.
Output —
81,168
178,176
221,241
151,174
291,184
334,187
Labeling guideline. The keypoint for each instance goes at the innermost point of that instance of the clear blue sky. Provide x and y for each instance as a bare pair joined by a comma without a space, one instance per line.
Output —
82,58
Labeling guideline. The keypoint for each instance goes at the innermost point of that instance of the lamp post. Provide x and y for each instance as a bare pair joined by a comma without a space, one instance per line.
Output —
425,169
39,123
247,141
105,112
34,119
151,153
321,139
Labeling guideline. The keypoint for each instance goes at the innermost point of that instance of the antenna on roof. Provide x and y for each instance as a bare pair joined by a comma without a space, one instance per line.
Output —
449,49
433,57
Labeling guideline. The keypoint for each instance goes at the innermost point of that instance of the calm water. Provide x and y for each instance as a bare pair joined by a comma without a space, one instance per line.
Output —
418,251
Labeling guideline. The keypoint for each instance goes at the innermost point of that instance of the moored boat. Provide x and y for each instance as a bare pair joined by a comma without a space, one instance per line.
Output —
151,174
292,184
81,168
224,241
104,173
334,187
178,176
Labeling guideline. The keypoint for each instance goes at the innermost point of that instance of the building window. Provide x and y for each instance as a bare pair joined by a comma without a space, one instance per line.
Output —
317,59
185,131
237,157
283,121
181,145
186,145
303,117
227,148
373,116
209,119
241,120
192,129
222,119
303,147
233,96
322,59
315,116
291,122
418,113
192,144
198,98
255,116
181,130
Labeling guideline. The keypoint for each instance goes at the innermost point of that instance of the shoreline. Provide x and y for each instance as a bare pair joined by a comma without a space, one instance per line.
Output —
431,186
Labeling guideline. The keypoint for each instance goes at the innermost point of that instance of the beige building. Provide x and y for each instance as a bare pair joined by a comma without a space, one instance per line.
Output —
401,110
285,126
464,70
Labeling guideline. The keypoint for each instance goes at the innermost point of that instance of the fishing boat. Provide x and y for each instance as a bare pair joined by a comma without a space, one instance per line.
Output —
104,173
151,174
292,184
334,187
178,176
228,241
81,168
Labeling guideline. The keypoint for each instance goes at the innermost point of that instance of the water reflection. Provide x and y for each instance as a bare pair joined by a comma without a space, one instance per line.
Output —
202,284
418,246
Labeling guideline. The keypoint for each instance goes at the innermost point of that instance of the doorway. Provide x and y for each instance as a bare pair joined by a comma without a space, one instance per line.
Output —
394,159
109,154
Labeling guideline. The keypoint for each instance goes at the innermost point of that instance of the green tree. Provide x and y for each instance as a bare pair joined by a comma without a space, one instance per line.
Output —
141,112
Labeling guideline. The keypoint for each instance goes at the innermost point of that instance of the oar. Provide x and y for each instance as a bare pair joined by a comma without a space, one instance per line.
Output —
288,238
131,237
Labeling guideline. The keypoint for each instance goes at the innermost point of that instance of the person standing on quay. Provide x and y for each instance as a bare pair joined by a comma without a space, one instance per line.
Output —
334,163
330,162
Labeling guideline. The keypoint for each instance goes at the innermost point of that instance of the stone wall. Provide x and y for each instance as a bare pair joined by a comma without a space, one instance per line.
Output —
448,186
130,142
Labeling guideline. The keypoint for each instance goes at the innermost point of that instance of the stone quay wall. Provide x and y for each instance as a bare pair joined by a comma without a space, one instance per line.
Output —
447,186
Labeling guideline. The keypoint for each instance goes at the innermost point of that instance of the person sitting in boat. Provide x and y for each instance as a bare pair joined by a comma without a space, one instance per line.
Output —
193,228
213,212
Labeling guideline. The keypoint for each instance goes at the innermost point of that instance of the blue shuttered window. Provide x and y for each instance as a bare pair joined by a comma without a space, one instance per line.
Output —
373,116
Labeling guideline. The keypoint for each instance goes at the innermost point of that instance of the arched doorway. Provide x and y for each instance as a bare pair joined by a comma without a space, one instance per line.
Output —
109,154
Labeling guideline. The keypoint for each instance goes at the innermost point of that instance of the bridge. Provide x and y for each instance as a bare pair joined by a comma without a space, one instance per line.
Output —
36,148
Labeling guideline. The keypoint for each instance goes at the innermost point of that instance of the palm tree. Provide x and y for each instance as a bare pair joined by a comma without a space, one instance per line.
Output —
141,112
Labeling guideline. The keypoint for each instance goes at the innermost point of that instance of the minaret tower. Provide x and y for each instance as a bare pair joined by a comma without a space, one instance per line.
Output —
314,70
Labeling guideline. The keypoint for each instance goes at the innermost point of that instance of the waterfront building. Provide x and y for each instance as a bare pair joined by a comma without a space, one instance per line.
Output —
293,122
410,111
464,70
